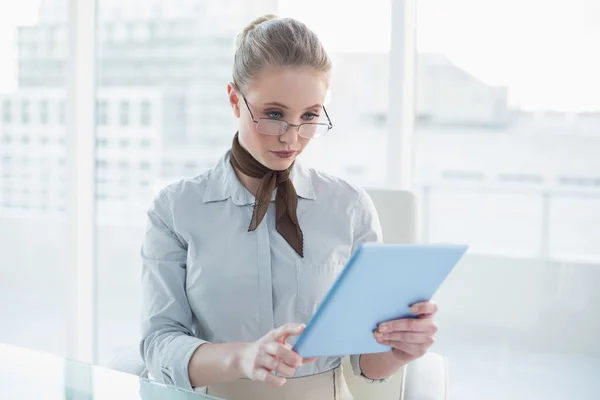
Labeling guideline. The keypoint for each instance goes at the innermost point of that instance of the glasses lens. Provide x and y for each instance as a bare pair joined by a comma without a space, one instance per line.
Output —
313,130
271,126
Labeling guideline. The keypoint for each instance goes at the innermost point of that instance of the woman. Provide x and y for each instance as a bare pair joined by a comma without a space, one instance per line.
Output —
237,259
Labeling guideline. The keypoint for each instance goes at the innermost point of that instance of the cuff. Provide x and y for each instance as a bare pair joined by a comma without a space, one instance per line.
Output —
355,362
181,350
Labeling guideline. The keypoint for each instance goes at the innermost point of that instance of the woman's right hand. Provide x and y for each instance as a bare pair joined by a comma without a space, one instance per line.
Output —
271,353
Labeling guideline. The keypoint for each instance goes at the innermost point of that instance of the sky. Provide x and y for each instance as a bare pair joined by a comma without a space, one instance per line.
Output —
543,50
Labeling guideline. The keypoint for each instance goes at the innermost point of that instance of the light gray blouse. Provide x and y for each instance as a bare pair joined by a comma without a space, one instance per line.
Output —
207,279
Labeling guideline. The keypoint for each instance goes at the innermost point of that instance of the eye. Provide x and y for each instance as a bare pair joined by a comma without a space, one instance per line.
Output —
274,114
310,116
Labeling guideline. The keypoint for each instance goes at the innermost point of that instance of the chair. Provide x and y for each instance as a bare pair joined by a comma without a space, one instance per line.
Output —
423,379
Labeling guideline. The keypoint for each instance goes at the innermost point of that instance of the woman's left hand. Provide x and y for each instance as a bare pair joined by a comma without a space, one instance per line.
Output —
410,338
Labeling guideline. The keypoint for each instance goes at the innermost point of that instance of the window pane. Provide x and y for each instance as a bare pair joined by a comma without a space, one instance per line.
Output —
508,111
145,111
6,111
102,112
124,113
172,68
355,149
34,278
43,112
25,111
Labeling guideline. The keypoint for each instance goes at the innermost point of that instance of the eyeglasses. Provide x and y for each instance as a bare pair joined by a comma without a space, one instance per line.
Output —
277,127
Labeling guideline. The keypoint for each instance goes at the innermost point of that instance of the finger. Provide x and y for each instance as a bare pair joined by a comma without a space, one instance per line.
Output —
262,375
406,337
284,354
425,307
415,350
408,324
285,331
272,364
304,361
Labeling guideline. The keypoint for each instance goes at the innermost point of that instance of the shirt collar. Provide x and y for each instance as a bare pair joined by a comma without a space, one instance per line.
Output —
222,184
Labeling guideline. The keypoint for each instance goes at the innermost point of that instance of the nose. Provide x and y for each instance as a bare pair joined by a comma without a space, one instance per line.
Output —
290,136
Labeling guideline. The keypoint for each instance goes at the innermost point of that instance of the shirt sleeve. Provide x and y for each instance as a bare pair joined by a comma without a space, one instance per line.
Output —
167,342
367,228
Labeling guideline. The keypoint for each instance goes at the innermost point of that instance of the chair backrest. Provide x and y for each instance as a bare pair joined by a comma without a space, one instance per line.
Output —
396,210
397,214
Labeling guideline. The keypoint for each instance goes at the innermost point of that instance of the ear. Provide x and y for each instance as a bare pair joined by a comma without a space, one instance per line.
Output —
234,99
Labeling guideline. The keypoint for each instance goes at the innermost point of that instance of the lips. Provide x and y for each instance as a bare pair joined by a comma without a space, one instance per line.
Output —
284,153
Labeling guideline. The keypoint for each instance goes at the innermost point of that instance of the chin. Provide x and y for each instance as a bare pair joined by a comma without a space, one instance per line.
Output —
279,164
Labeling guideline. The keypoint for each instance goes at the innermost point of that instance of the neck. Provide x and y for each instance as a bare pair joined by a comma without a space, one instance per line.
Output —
248,182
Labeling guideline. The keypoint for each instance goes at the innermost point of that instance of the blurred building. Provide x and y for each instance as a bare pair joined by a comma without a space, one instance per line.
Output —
446,94
33,144
161,102
178,47
33,150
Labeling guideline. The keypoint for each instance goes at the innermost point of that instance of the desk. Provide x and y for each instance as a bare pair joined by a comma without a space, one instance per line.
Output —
30,375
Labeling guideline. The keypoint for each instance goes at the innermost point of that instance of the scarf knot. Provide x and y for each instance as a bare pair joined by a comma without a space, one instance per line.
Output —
286,199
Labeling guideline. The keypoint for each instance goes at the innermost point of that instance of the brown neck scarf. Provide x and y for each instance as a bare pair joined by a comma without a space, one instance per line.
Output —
286,200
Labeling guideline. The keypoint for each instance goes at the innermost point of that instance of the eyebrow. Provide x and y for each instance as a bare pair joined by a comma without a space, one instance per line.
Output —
287,108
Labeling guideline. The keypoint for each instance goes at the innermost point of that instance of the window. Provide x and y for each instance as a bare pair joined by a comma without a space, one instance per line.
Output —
577,181
534,213
43,112
145,113
521,178
190,165
101,164
34,271
25,117
61,113
124,113
102,112
6,111
145,165
462,175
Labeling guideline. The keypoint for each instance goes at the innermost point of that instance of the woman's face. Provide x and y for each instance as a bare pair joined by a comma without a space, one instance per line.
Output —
292,94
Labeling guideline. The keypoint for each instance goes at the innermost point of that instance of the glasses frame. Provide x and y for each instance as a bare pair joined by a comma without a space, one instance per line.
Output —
329,125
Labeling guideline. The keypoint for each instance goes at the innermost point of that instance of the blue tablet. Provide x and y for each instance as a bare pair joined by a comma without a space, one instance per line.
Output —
379,283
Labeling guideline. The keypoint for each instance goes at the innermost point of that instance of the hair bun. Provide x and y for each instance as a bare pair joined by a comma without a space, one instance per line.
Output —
242,36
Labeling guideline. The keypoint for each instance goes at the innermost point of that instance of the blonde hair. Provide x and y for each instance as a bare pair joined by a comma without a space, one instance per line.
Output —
273,41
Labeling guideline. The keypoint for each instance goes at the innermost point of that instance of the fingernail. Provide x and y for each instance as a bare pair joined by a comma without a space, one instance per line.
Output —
414,309
379,340
283,382
383,328
378,334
